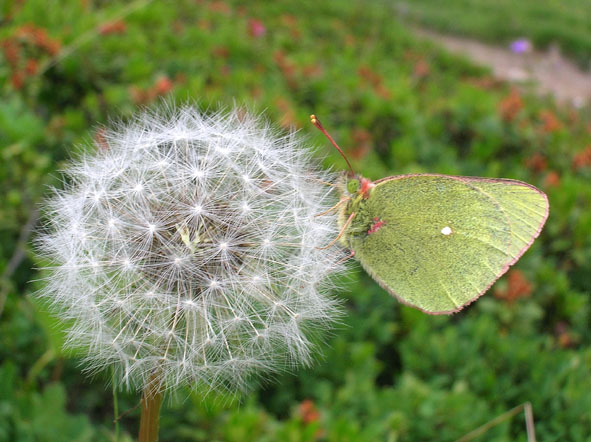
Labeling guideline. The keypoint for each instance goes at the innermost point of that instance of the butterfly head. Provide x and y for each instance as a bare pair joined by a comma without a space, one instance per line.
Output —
353,185
357,185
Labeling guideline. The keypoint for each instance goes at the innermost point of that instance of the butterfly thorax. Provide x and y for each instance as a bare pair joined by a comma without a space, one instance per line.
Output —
358,191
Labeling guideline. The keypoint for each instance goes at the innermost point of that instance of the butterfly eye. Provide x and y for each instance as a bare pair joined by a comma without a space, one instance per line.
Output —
352,186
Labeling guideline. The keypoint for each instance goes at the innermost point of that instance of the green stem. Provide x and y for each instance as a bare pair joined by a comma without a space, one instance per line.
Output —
39,365
150,417
115,407
529,422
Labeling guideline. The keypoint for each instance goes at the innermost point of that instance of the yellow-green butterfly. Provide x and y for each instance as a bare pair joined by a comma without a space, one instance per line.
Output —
438,242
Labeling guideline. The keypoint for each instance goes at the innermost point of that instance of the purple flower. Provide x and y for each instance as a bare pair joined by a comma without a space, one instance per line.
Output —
521,46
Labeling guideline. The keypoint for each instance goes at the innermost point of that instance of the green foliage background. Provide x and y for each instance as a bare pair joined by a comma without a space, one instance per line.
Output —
399,106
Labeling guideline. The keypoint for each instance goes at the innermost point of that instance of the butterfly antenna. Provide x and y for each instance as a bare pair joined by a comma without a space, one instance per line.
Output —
316,122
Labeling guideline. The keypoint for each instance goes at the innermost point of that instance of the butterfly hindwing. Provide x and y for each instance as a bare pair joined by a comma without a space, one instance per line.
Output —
438,242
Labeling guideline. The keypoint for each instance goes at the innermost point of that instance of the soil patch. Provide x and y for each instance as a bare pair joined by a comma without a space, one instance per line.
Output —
549,71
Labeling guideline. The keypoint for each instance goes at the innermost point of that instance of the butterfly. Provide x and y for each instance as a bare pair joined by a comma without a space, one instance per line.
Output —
438,242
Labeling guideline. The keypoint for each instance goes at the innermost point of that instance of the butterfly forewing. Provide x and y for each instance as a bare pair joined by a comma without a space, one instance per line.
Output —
438,242
526,207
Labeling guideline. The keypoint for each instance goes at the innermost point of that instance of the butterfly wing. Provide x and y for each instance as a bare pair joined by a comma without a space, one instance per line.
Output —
438,242
526,207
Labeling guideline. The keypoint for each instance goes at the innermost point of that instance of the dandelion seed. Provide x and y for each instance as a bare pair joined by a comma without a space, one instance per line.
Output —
198,173
177,251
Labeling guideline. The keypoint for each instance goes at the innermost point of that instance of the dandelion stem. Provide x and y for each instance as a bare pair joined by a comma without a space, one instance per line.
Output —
150,417
115,406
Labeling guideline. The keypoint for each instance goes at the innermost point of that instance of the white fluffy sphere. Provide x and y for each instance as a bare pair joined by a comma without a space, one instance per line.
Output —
189,249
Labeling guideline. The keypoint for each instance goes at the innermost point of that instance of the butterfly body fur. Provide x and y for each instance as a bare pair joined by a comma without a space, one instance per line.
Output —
438,242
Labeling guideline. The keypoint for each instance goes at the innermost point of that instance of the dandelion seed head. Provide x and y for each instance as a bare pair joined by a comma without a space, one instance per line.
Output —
189,247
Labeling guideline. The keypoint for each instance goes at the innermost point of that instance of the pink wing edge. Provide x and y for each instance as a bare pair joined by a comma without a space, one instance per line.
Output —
505,267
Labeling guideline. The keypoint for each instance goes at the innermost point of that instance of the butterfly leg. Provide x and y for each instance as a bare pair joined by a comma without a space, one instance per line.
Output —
343,200
340,233
347,258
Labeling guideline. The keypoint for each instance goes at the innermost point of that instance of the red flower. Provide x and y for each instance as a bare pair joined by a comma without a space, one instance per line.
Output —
256,28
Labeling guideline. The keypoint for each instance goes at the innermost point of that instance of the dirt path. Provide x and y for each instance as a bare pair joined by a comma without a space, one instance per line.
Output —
550,72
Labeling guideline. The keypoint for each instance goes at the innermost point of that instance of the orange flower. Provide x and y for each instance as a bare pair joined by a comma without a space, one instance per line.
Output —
517,287
114,27
422,68
287,68
537,162
11,51
220,52
582,158
221,7
17,79
564,338
288,118
362,141
204,25
312,70
308,411
32,66
38,37
552,179
511,105
163,86
35,41
486,82
550,121
375,80
101,140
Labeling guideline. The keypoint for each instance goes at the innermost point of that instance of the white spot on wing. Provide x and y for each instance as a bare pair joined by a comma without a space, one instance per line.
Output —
446,231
